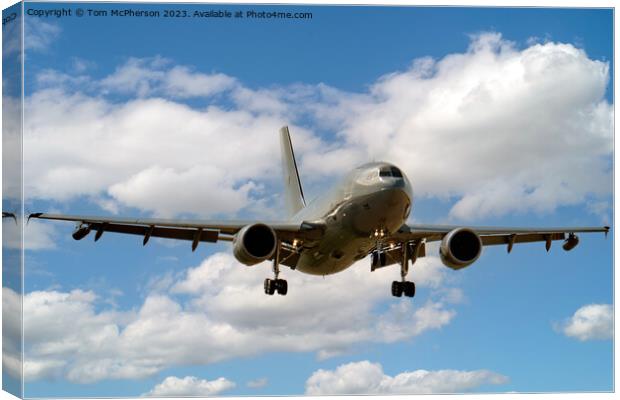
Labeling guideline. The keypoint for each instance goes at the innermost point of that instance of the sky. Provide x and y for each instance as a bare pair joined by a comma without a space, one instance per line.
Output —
498,116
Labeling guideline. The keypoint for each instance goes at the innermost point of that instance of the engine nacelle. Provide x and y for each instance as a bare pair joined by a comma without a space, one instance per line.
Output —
81,231
571,242
254,244
460,248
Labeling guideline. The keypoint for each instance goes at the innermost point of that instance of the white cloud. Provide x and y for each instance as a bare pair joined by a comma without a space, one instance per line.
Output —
257,383
481,126
53,338
477,127
220,311
190,386
154,76
39,34
150,190
182,82
147,149
11,143
365,377
590,322
11,332
37,235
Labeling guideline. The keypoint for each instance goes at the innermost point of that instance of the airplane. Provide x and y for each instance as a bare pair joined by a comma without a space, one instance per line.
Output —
363,215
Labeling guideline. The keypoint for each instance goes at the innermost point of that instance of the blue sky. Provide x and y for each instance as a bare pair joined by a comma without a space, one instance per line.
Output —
130,116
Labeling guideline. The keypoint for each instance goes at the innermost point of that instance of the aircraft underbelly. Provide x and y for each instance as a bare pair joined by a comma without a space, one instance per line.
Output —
349,235
333,256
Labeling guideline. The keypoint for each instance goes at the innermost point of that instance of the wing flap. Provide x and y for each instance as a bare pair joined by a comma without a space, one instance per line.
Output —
196,231
492,236
440,230
492,240
157,231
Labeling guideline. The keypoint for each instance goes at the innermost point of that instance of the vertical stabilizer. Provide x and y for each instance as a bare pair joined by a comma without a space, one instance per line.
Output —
294,194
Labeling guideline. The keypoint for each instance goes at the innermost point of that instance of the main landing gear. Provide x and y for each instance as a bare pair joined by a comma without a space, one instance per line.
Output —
404,287
378,259
409,252
276,285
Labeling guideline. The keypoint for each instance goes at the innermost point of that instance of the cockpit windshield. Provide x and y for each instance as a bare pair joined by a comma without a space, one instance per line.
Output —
391,172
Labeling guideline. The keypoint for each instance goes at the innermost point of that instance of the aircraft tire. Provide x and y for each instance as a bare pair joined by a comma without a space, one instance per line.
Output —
397,289
409,289
270,287
282,287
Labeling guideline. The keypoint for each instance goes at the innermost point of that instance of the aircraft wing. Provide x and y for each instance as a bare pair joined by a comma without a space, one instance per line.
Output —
494,235
194,231
419,235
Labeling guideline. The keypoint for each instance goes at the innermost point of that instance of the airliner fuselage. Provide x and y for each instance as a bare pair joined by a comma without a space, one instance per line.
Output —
372,201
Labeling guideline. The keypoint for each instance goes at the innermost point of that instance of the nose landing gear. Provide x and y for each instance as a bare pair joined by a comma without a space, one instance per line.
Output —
378,258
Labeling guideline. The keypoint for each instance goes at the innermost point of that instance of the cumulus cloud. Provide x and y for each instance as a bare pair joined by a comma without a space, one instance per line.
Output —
147,149
11,333
496,128
154,76
190,386
365,377
500,129
37,235
590,322
11,144
257,383
215,312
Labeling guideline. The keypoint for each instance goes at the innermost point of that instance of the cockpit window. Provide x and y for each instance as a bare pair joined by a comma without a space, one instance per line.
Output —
390,171
396,173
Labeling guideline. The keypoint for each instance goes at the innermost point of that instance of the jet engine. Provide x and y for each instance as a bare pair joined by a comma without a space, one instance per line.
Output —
254,243
571,242
81,231
460,248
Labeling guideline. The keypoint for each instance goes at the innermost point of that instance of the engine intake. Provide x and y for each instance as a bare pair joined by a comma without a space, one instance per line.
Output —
254,244
460,248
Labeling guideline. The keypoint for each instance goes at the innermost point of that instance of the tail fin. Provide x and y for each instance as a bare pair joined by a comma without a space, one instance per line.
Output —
292,186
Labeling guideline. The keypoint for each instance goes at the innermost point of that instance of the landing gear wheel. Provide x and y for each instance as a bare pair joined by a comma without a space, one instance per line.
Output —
270,287
281,287
397,289
408,288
